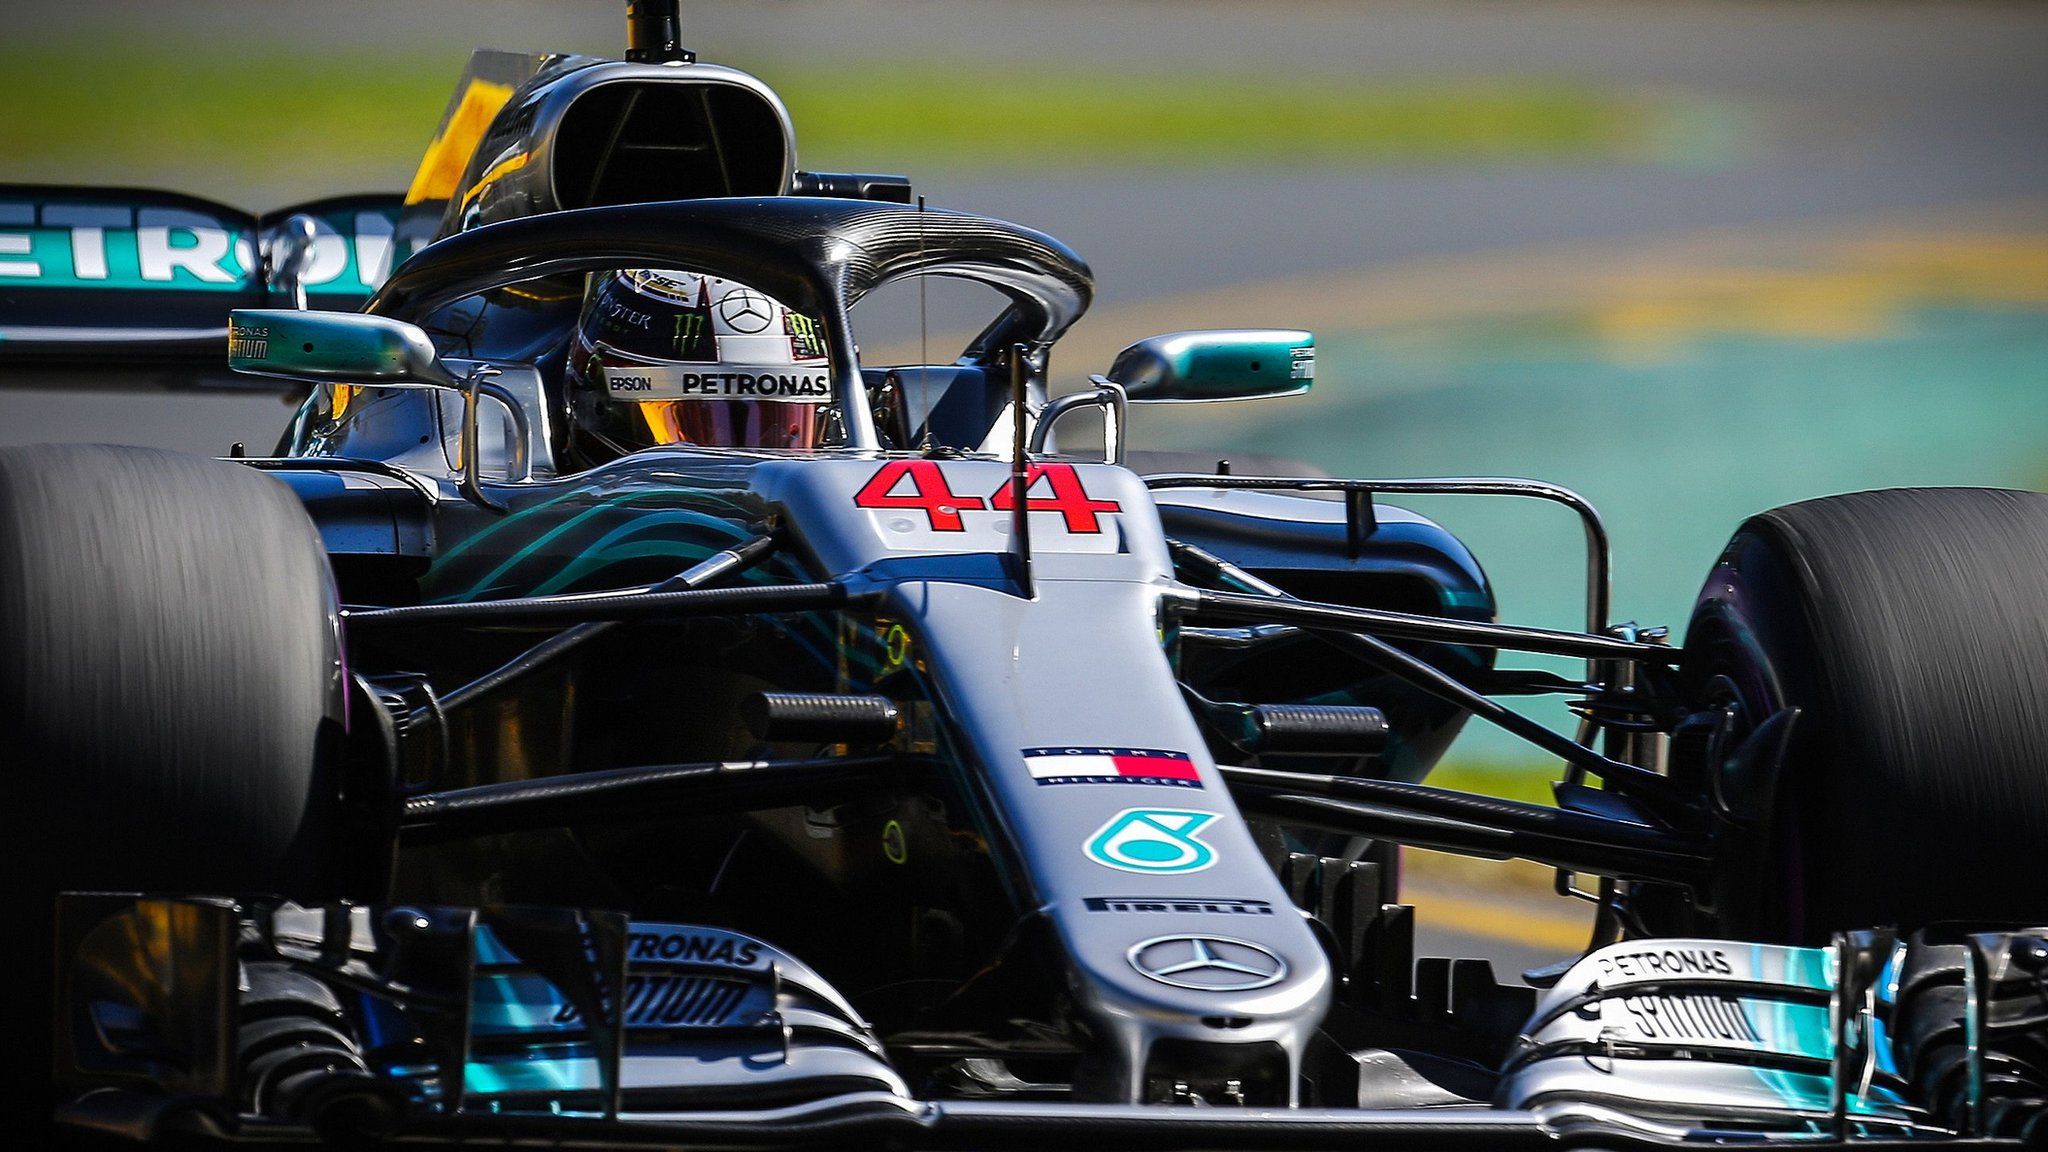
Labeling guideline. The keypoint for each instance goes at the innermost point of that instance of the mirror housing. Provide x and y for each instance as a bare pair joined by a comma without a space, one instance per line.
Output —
377,352
1211,366
342,347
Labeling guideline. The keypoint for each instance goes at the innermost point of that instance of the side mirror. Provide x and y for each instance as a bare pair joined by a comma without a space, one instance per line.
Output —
377,351
1202,367
342,347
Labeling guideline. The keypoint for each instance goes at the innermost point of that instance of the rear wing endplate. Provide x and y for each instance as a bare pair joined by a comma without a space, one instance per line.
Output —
119,287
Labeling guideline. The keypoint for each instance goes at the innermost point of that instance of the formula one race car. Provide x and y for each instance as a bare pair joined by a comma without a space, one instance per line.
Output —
615,713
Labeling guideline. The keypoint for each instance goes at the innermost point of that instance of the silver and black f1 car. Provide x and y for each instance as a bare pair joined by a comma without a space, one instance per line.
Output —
616,713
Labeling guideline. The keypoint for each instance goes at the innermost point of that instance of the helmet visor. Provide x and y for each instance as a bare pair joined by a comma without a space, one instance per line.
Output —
747,423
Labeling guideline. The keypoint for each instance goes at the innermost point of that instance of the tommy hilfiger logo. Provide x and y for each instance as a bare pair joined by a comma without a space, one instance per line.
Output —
1086,765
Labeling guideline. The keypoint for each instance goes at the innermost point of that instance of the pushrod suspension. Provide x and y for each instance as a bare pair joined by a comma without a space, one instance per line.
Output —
557,610
1262,609
1479,825
635,793
1346,633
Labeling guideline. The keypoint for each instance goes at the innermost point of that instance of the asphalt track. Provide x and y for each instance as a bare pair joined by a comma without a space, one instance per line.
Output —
1816,132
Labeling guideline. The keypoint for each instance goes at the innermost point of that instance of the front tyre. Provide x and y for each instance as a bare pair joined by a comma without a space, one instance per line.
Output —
1910,628
170,693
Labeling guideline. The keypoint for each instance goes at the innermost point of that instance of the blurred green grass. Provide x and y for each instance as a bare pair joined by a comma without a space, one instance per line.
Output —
1013,121
1526,780
211,122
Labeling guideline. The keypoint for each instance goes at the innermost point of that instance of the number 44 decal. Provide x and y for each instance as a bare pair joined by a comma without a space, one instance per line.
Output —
921,485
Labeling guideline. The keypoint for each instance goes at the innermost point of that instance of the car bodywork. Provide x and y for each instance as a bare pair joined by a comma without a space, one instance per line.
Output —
740,797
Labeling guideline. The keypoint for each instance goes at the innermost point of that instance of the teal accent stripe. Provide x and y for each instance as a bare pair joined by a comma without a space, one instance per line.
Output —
605,549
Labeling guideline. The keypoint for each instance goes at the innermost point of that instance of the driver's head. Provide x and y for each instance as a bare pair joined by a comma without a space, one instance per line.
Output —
682,358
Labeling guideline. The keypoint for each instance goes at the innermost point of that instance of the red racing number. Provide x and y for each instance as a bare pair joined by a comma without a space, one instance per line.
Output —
1068,498
929,493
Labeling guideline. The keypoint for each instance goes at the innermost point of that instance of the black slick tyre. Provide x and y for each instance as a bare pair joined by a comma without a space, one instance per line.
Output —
1910,629
170,694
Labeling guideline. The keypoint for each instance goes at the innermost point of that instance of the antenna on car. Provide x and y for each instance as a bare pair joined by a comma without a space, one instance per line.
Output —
924,338
654,32
1020,480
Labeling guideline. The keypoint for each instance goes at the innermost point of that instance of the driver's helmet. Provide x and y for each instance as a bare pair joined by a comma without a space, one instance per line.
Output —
682,358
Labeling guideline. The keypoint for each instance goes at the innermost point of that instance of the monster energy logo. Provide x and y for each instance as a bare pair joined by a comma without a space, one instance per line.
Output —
689,330
805,341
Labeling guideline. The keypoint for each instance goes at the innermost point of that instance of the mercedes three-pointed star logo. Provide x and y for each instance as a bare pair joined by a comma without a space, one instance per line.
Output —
745,311
1207,963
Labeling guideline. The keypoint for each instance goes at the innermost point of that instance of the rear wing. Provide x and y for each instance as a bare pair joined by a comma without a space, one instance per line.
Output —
120,287
127,287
